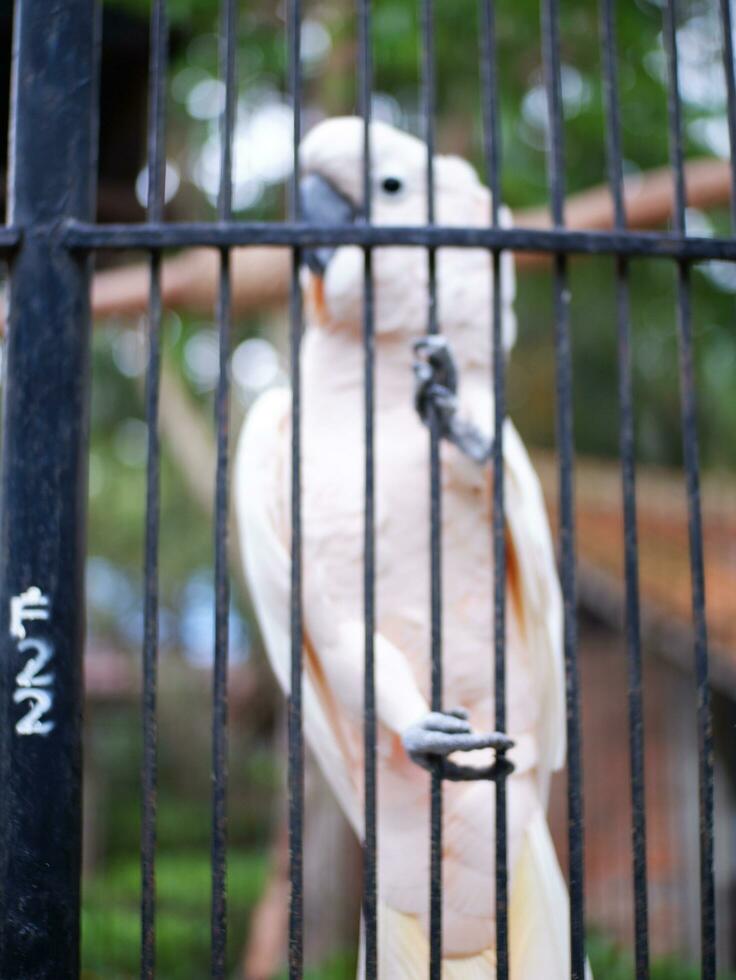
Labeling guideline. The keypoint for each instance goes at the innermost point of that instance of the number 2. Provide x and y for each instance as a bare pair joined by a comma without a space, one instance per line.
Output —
29,676
31,723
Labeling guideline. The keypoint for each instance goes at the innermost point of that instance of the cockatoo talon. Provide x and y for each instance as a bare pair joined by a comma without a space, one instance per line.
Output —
440,733
435,398
435,380
501,768
434,352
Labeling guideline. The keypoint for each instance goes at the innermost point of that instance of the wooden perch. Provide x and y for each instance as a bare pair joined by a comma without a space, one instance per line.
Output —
261,275
260,278
648,200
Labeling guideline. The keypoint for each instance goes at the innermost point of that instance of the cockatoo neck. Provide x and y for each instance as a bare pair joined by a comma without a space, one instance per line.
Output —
334,369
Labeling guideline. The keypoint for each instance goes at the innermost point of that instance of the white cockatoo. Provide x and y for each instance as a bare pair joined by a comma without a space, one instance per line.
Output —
332,519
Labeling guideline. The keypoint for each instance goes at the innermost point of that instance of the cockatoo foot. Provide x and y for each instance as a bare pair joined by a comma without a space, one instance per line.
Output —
435,397
440,733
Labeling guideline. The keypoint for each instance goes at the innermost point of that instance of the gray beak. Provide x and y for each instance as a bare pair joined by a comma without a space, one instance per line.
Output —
322,204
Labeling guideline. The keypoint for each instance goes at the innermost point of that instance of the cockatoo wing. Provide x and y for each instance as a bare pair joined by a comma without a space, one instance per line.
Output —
541,601
531,579
262,476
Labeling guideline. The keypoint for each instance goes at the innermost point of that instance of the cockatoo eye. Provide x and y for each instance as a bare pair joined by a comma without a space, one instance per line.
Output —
392,185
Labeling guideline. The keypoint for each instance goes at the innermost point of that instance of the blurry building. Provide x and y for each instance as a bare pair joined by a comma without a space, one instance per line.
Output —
671,742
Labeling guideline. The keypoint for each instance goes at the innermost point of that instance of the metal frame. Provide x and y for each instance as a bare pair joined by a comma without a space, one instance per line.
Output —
44,489
556,241
49,238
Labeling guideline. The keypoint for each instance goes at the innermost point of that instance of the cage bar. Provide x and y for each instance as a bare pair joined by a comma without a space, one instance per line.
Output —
492,150
44,488
295,721
370,874
555,241
728,70
628,488
227,52
565,448
155,210
695,530
428,84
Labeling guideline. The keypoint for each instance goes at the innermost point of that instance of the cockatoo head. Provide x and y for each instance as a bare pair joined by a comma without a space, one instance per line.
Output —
332,193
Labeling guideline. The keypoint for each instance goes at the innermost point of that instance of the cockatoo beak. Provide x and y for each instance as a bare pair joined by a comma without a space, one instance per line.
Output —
322,204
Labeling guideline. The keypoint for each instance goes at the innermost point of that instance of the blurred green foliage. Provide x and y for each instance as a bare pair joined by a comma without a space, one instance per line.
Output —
117,464
112,886
111,919
609,962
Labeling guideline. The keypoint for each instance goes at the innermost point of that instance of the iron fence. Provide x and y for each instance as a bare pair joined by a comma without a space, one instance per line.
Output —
49,240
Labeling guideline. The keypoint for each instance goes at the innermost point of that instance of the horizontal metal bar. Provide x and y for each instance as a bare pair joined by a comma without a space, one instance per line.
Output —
556,241
9,238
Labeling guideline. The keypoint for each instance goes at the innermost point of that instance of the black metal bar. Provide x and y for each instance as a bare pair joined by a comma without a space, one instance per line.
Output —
565,446
158,63
555,129
692,478
228,28
295,721
674,113
435,883
44,489
700,649
492,147
149,774
370,877
556,241
614,153
728,67
628,486
428,84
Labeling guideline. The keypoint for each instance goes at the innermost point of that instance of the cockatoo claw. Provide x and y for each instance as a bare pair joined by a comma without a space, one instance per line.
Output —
435,397
433,352
435,382
440,733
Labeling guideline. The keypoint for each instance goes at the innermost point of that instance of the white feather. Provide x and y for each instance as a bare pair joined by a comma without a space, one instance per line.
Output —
261,485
